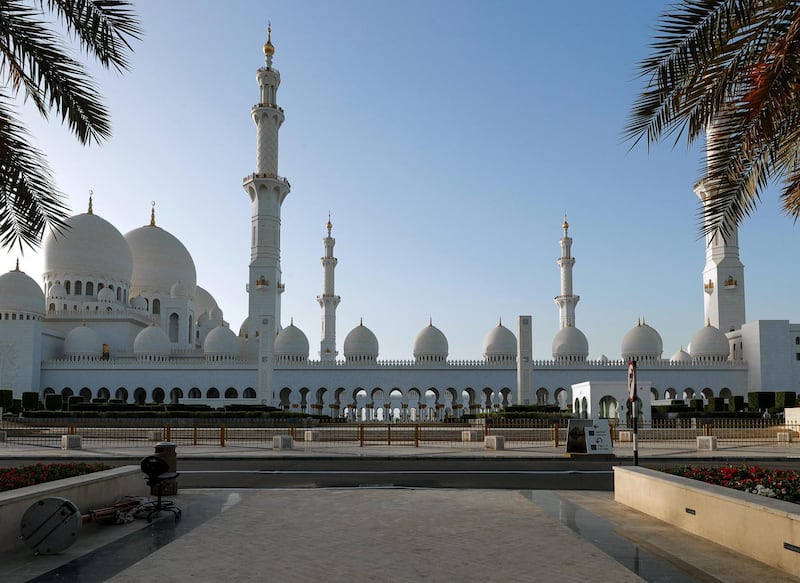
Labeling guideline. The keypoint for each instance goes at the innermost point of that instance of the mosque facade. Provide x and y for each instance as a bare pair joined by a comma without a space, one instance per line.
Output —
123,317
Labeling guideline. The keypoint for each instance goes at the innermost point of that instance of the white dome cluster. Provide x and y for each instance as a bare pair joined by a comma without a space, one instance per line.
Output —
570,344
431,345
291,345
159,261
709,344
152,343
221,344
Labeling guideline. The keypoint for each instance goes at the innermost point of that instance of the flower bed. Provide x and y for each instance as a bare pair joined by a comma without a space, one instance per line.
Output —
778,484
11,478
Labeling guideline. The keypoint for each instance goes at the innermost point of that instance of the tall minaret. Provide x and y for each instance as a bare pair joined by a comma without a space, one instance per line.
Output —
267,192
328,300
567,300
723,276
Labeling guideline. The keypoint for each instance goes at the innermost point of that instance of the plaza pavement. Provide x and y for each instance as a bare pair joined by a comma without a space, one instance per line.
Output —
391,534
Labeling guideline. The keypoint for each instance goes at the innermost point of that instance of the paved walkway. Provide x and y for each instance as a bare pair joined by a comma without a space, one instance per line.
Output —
389,534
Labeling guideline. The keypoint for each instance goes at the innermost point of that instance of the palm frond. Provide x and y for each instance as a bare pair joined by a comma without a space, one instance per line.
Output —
29,200
51,75
104,28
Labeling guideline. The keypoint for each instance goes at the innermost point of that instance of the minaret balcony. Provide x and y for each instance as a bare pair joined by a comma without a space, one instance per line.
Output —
709,287
731,283
268,106
256,175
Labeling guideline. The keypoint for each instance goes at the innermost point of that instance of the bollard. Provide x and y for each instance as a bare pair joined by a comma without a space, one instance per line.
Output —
167,433
222,436
194,436
166,451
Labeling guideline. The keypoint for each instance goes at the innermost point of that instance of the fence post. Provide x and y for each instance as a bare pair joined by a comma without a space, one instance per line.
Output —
194,437
361,435
416,435
707,430
167,433
555,434
222,436
388,434
71,430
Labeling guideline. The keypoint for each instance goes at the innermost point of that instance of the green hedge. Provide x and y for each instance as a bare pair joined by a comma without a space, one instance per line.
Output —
53,402
736,404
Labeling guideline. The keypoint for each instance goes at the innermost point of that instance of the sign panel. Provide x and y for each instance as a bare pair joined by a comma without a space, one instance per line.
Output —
589,436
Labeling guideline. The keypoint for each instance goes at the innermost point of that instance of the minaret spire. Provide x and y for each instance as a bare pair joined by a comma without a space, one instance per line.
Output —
566,301
328,301
267,191
723,274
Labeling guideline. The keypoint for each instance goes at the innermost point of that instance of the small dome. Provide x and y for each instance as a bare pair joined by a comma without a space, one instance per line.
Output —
178,290
159,260
88,245
291,342
20,293
680,356
244,329
571,344
106,295
221,341
57,292
152,340
203,300
642,342
500,343
138,303
360,344
431,344
83,341
709,343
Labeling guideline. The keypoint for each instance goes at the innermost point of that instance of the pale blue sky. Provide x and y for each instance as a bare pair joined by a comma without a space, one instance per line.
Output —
447,139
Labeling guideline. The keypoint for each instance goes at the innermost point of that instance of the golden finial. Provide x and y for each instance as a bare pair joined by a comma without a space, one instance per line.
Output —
153,213
638,321
330,224
17,267
500,322
90,202
566,224
361,321
430,320
708,322
269,49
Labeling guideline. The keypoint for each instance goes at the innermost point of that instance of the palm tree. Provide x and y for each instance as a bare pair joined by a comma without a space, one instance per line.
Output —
35,61
729,70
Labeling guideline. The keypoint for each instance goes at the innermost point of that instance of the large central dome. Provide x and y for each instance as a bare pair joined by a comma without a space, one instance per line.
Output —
91,246
159,260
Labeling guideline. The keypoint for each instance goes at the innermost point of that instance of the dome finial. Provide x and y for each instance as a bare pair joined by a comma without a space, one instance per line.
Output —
566,224
152,213
361,321
291,321
269,49
330,224
17,267
500,321
90,202
430,320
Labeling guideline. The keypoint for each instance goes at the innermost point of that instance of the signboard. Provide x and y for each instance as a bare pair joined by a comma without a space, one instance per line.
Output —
589,436
632,380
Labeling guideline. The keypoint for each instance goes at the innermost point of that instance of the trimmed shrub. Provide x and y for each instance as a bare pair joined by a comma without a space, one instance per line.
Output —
53,402
16,406
30,401
736,404
715,404
760,400
73,401
6,399
696,404
784,399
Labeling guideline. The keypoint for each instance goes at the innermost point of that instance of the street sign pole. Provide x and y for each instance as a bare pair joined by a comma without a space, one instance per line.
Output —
634,409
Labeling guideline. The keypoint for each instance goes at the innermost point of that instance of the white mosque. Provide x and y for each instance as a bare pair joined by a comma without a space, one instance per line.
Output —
122,317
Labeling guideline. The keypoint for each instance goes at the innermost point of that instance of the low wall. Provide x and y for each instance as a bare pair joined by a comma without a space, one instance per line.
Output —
88,492
762,528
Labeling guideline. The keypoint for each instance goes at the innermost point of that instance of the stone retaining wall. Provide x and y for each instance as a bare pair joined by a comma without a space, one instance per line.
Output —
88,492
762,528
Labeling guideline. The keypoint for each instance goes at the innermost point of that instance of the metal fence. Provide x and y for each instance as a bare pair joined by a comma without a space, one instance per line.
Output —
308,434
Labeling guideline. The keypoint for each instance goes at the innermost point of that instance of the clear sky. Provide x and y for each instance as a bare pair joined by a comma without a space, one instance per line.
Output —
447,139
